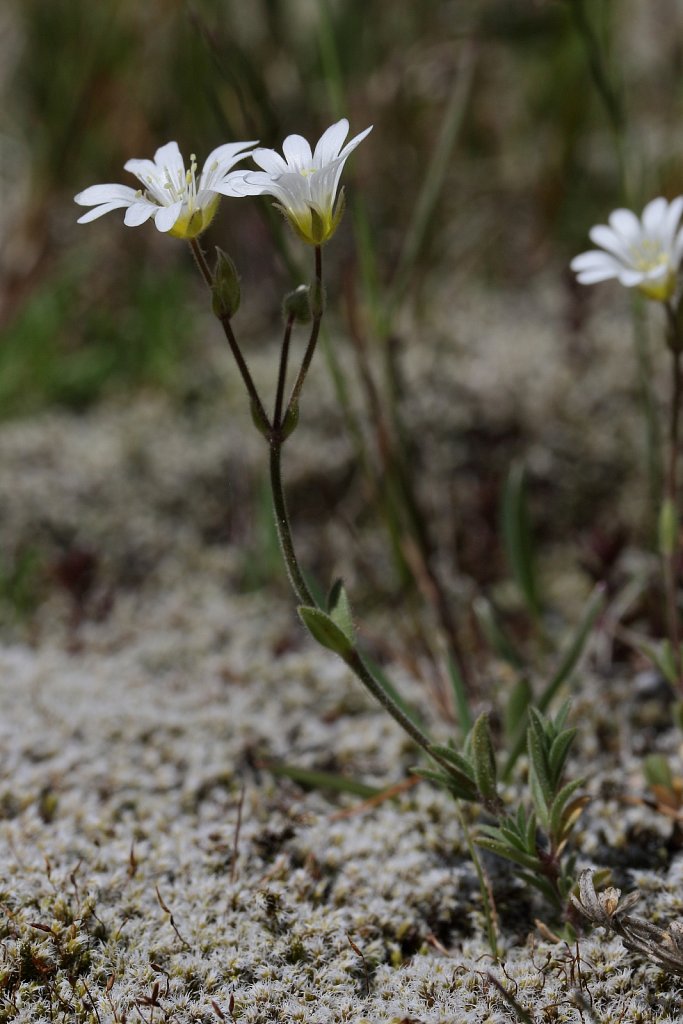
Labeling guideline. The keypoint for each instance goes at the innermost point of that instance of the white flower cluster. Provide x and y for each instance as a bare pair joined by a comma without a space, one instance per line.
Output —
305,184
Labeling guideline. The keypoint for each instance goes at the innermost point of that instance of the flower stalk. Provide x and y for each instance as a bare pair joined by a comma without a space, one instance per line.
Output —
669,522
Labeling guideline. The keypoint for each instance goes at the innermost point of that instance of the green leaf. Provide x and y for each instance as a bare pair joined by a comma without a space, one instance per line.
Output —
449,754
514,839
575,647
537,747
313,779
557,755
517,537
460,695
501,848
484,758
462,789
323,629
559,805
339,609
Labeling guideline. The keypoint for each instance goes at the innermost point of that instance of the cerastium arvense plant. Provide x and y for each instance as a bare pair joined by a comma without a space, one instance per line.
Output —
534,837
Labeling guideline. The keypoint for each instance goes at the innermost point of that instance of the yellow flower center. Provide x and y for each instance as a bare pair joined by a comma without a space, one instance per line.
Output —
647,256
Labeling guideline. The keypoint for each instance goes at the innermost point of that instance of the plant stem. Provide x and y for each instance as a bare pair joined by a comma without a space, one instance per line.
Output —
284,532
282,373
488,903
671,552
205,270
318,300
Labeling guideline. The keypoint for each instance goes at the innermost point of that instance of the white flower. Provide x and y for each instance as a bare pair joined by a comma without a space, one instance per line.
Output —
171,194
304,183
643,254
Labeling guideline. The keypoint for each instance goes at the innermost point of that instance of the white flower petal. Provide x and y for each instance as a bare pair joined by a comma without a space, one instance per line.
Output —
654,216
629,277
99,211
671,221
137,213
245,183
355,141
597,275
142,169
330,142
269,161
166,216
595,259
221,160
625,223
297,153
608,239
168,158
104,194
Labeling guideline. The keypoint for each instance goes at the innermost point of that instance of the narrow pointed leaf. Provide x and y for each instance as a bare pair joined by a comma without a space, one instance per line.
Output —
559,804
557,755
463,790
449,754
518,539
575,647
484,758
508,853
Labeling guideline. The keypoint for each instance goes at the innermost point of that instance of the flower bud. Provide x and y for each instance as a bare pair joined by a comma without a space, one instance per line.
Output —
297,304
226,287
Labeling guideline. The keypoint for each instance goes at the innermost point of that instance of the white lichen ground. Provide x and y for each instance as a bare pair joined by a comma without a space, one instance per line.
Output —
151,866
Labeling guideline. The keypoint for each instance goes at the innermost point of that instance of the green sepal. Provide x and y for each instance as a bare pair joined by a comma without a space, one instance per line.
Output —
259,420
297,304
339,208
325,630
484,758
290,422
317,226
339,608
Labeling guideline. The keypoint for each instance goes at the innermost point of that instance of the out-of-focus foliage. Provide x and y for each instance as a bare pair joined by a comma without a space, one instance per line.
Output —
86,86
